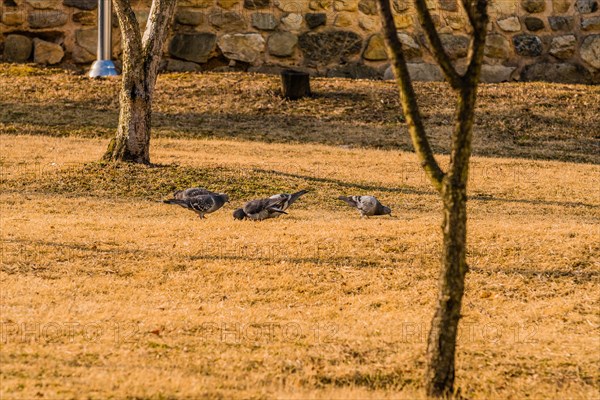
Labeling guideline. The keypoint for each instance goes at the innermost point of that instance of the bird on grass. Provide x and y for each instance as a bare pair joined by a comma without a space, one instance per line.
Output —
201,204
192,192
368,206
271,207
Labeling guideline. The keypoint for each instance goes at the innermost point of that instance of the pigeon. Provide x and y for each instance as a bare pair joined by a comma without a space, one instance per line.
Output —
202,204
192,192
366,205
271,207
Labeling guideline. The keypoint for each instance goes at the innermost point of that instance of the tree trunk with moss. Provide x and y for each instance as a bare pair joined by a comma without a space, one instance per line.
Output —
141,59
451,184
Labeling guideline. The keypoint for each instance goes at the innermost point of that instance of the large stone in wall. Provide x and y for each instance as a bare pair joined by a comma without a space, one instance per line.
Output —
282,44
82,4
563,73
345,5
403,21
369,23
561,6
292,22
528,45
563,47
586,6
196,3
190,17
181,66
409,46
246,47
448,5
264,21
534,6
44,4
87,39
17,48
85,18
375,50
229,21
561,23
590,51
39,19
354,71
79,55
534,24
497,46
256,4
319,5
47,52
455,21
195,47
591,23
330,46
292,6
344,19
402,5
510,24
368,7
455,45
314,20
496,73
227,4
13,18
503,7
419,72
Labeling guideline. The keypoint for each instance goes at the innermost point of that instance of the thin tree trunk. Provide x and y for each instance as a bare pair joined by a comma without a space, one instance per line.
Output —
452,185
441,346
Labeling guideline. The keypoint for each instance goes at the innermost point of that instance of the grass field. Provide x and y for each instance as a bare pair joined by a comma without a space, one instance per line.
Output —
106,292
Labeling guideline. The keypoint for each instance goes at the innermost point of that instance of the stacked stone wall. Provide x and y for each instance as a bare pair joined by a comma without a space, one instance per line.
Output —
552,40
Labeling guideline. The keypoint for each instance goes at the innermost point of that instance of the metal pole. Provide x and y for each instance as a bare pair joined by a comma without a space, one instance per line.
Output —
103,66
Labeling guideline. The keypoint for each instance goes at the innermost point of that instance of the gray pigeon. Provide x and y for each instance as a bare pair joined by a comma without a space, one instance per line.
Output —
271,207
202,204
366,205
192,192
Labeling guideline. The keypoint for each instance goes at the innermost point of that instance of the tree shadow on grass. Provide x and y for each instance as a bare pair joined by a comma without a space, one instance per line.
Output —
420,192
351,127
577,274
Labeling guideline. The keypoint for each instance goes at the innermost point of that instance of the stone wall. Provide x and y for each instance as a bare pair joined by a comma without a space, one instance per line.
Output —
553,40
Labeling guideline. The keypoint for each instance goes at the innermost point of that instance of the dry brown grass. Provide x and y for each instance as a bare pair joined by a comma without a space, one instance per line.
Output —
107,293
534,120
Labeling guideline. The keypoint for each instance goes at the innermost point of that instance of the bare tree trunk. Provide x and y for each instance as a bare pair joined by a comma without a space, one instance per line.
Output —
141,58
441,345
452,185
132,142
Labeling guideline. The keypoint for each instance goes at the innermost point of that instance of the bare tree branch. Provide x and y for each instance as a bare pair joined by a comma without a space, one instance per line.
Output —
437,48
159,20
408,98
477,13
132,47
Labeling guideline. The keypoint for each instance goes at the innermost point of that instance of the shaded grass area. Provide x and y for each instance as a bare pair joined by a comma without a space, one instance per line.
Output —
131,181
529,120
